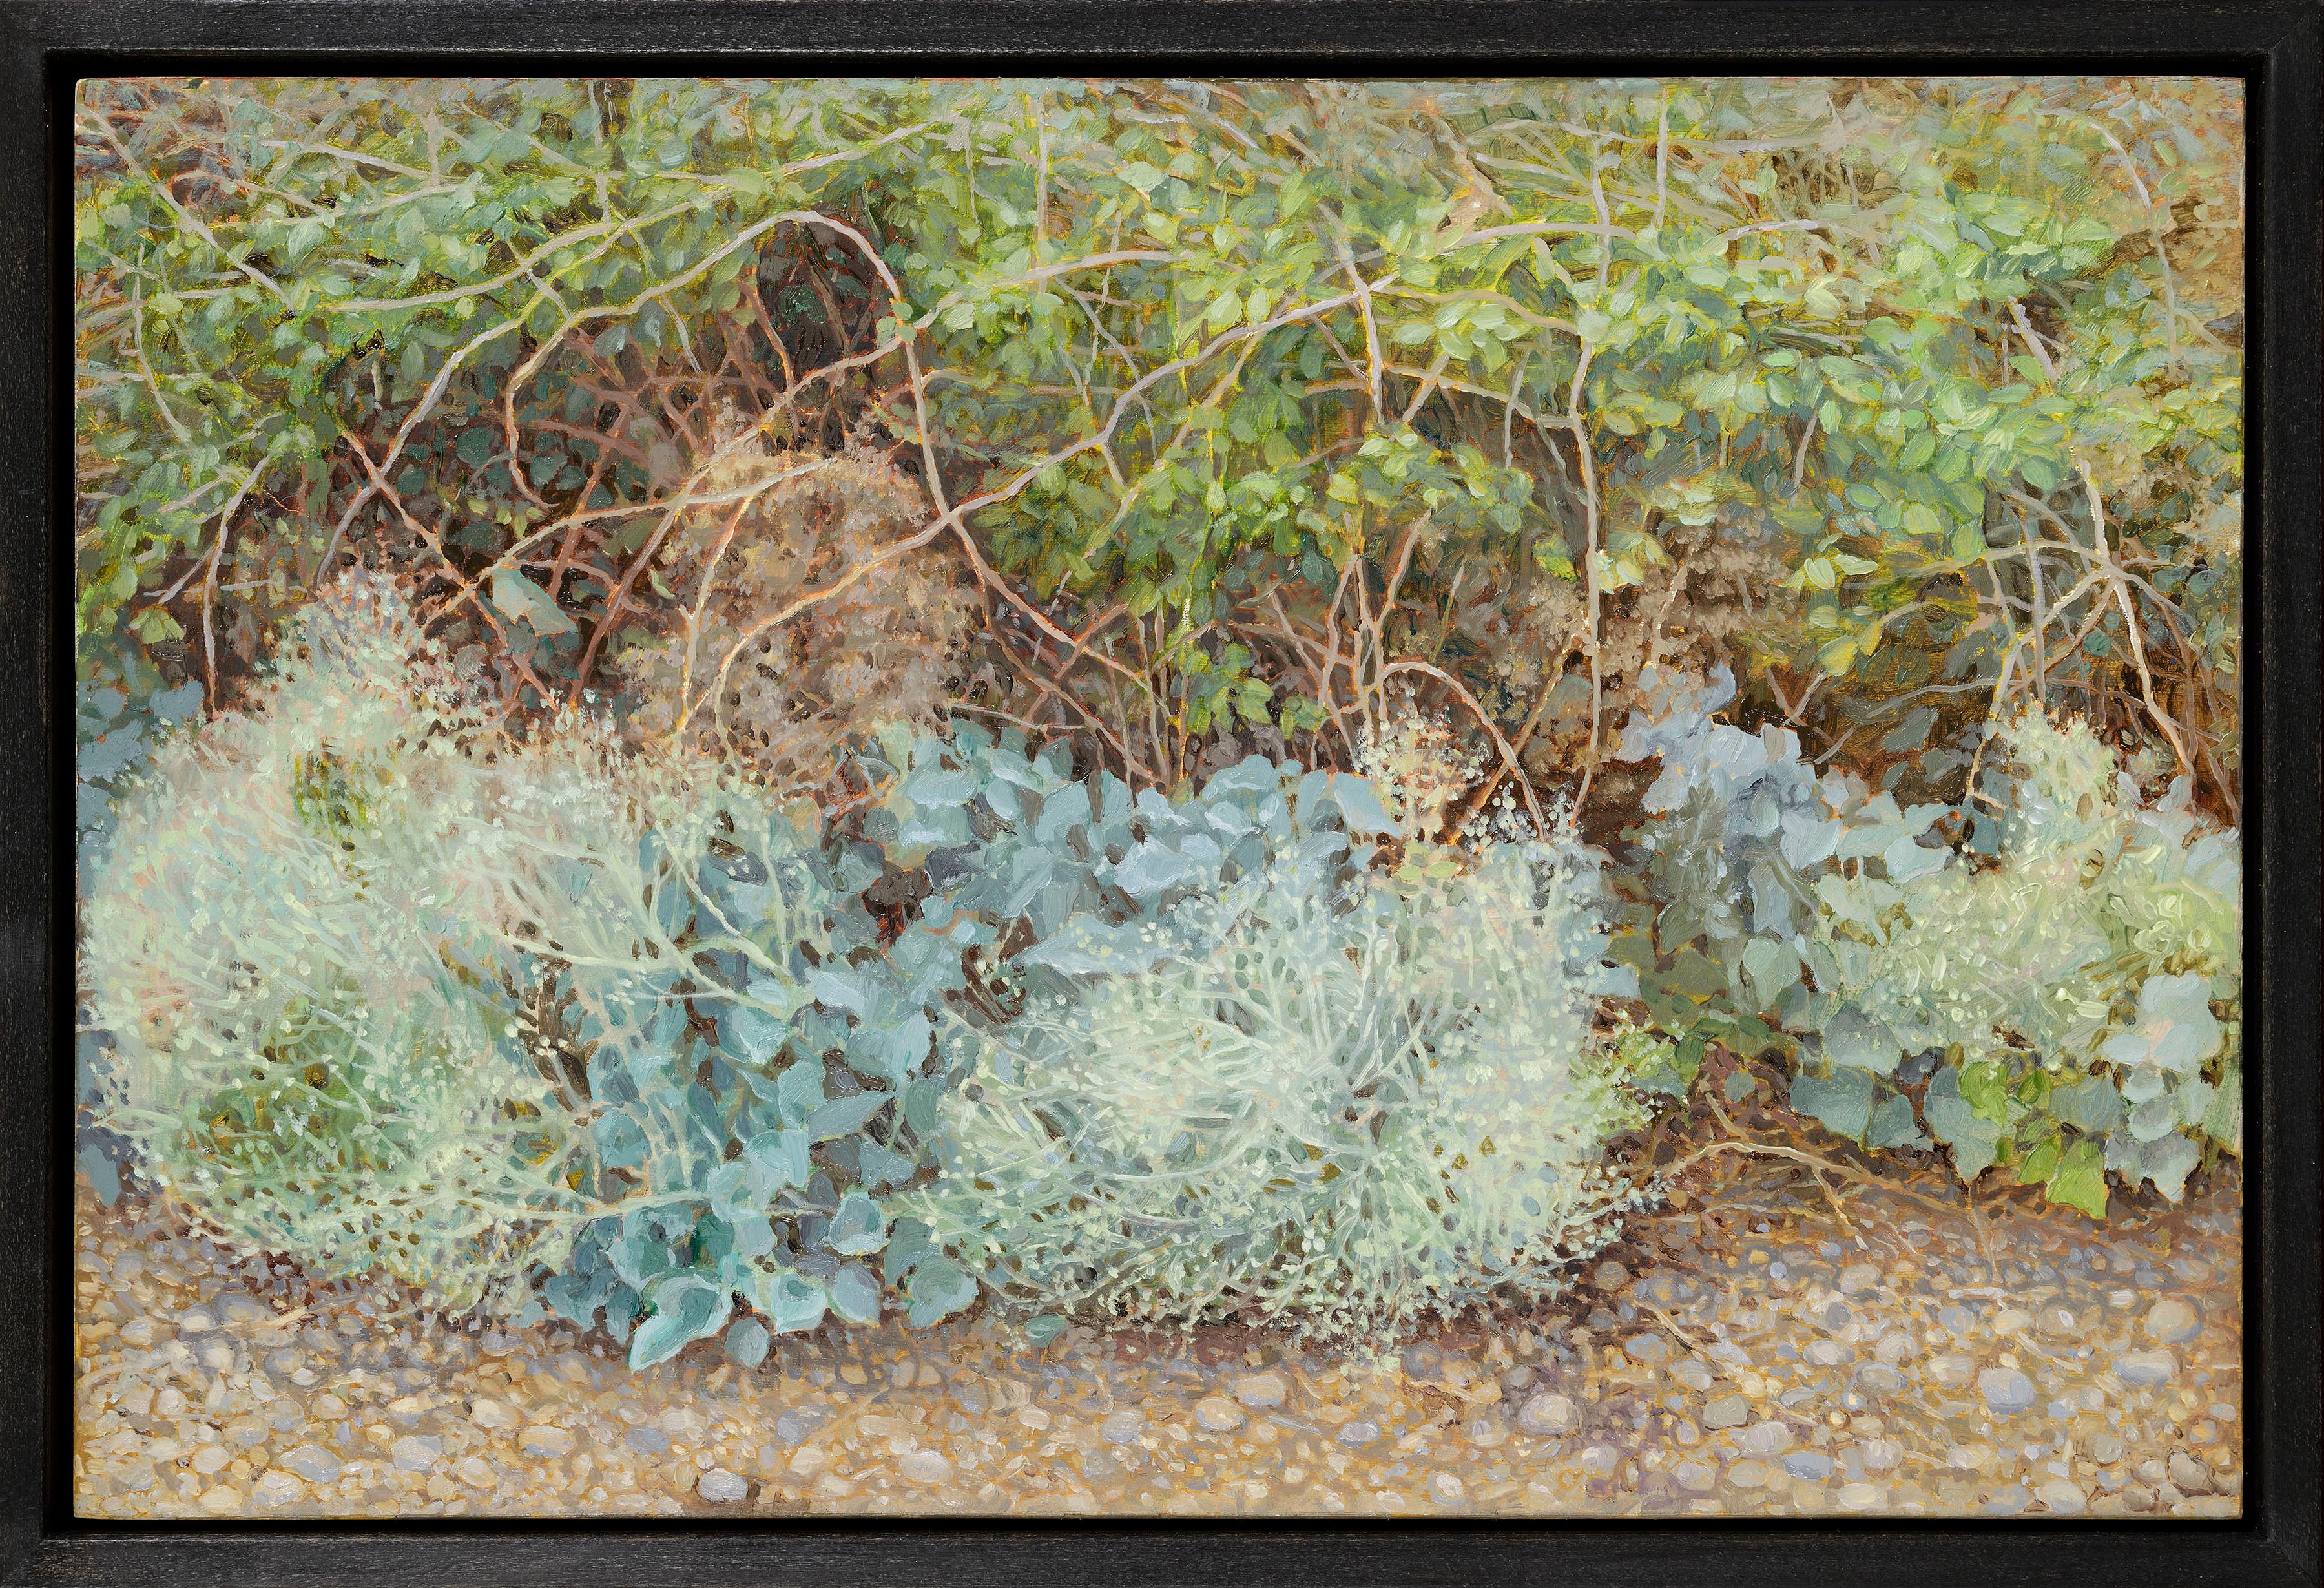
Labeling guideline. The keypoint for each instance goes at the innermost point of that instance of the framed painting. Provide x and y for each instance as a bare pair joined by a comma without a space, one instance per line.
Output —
1331,791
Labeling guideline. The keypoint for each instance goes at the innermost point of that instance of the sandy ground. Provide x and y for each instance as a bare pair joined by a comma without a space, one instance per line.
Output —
1753,1354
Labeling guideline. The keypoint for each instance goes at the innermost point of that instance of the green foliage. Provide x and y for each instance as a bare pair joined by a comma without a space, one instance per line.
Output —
2071,1004
1220,435
735,1004
1339,1106
1208,382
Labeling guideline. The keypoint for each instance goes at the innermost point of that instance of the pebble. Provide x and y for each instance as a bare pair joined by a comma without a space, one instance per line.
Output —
1548,1414
416,1454
1862,1497
1260,1391
275,1487
310,1462
1879,1382
1858,1276
2006,1390
1218,1414
1728,1411
2062,1497
796,1426
1647,1350
1812,1465
545,1440
491,1414
720,1487
2145,1369
1445,1489
927,1468
2172,1322
2188,1474
1768,1438
1123,1427
1356,1433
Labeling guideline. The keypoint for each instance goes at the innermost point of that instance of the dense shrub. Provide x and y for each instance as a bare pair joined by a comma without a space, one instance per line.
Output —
2067,983
1240,399
1336,1107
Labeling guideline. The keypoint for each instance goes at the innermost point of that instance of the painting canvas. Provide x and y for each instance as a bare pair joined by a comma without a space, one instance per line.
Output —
1157,798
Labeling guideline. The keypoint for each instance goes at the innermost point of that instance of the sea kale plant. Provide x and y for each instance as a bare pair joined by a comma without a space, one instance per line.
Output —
2066,1005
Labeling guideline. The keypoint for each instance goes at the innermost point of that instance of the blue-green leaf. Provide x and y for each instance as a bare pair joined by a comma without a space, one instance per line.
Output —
686,1307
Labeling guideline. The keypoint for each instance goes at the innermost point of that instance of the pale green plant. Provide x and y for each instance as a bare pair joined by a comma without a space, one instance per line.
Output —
295,942
2077,981
1342,1113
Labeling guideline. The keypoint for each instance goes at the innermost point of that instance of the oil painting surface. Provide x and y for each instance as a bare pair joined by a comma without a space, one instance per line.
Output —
1158,798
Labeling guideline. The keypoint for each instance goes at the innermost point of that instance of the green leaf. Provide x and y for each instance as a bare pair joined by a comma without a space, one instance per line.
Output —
855,1293
792,1302
746,1343
844,1116
520,599
938,1289
2039,1164
777,1159
1842,1102
687,1306
1860,1042
1985,1087
798,1091
475,446
858,1227
1975,1141
1360,804
1892,1125
2079,1179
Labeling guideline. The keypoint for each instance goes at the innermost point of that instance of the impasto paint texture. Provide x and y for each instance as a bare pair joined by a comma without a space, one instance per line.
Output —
1158,798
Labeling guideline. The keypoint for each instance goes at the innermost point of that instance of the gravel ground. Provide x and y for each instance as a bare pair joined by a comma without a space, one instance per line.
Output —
1775,1351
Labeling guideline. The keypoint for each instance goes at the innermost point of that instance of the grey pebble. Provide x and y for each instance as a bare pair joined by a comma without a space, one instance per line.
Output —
796,1426
720,1487
1728,1411
310,1462
2005,1389
2173,1322
1878,1381
1548,1414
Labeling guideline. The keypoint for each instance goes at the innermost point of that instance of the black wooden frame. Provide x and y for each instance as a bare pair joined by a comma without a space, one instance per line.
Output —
2273,44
